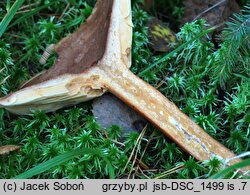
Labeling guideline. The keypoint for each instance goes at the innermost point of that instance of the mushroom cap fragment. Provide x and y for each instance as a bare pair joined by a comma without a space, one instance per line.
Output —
75,76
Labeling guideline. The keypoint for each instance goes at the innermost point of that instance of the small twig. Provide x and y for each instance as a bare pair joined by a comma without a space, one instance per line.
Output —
207,10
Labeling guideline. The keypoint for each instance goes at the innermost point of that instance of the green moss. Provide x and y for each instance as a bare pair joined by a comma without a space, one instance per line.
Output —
210,85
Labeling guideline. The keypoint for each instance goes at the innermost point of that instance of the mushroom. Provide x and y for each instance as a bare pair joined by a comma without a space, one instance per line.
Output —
96,58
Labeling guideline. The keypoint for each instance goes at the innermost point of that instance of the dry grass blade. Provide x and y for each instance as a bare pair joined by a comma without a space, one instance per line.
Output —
170,171
2,70
136,146
4,80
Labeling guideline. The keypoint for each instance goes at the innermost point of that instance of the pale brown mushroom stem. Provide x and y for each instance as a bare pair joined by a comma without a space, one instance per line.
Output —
164,114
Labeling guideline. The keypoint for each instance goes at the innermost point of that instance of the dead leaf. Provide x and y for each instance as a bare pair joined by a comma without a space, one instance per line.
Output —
8,148
161,36
214,12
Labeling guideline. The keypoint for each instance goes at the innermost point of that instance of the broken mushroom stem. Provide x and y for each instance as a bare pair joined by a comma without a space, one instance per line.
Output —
162,113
